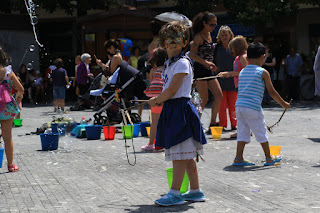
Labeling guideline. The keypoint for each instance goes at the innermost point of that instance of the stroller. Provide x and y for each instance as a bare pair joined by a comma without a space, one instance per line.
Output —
129,84
85,101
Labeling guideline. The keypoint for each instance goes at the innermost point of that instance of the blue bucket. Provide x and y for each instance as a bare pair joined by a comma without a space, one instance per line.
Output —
1,156
143,126
93,132
62,129
136,130
49,141
54,127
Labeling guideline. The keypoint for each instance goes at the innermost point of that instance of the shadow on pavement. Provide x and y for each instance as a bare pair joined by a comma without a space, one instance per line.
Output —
245,168
160,209
316,140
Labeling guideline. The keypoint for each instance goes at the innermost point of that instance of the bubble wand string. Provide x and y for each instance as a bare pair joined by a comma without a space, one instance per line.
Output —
32,14
270,127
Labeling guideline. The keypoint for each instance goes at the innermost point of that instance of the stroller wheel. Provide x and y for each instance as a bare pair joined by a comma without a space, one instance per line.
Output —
101,120
135,118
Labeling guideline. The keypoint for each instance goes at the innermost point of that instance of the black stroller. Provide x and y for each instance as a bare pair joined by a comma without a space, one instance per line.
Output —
129,84
85,101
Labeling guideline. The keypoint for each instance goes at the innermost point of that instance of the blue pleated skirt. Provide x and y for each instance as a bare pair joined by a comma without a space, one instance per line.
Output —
179,121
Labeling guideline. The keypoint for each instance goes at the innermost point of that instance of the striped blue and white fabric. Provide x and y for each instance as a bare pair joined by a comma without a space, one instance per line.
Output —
251,87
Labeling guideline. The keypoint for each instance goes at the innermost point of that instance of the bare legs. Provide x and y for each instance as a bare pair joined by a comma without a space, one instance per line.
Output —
179,168
242,144
214,86
153,127
6,127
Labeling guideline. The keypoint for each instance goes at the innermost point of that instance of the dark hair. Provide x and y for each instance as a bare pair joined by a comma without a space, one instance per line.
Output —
58,63
197,24
255,50
158,57
23,65
173,29
3,57
155,27
134,49
112,42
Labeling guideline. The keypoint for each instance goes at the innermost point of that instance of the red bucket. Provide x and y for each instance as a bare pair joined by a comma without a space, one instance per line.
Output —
109,132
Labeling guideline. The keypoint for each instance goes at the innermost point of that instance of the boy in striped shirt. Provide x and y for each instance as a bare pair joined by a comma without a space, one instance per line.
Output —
252,81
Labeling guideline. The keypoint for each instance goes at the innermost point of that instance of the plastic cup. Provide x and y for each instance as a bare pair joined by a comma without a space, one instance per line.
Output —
216,131
109,132
185,183
127,132
275,150
17,122
143,129
136,130
49,141
1,156
93,132
148,130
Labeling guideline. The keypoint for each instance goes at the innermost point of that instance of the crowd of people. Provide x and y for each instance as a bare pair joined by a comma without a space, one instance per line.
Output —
245,73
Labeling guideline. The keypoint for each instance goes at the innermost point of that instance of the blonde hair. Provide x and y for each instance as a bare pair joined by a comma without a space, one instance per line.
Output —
224,28
238,45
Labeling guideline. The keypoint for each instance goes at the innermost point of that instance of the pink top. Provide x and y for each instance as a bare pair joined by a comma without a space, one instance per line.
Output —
237,67
156,84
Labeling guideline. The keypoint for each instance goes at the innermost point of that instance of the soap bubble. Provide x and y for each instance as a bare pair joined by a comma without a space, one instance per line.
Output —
29,66
34,20
32,48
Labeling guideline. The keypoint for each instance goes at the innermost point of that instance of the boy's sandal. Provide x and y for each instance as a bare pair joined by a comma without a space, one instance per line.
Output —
234,135
243,163
273,161
13,168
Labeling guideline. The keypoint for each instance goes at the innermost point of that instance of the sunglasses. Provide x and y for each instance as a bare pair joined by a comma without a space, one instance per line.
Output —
177,40
212,25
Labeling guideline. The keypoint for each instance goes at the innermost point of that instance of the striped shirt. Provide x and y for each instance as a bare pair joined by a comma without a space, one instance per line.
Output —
251,87
156,84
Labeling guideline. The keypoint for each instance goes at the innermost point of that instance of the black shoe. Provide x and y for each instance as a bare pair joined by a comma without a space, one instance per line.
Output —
208,132
234,128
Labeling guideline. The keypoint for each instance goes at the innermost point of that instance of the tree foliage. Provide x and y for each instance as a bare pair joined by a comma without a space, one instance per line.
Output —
69,6
246,11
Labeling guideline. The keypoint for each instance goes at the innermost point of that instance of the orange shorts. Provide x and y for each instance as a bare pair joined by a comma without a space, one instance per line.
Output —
156,109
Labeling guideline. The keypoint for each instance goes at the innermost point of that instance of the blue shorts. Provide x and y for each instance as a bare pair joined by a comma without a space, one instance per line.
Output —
59,93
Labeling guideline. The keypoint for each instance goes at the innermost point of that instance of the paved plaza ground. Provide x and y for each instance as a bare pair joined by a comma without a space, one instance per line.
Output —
94,176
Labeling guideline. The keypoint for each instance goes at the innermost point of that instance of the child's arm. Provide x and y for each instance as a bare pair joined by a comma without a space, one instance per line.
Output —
170,91
228,74
18,86
243,61
273,93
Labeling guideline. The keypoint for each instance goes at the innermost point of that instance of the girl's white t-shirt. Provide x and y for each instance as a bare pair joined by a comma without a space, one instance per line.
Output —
181,66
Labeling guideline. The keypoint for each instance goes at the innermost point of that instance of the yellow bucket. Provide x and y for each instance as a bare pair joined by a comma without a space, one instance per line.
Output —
275,150
148,131
216,131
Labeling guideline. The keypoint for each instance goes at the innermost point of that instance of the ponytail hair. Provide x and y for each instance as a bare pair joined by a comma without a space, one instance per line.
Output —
197,24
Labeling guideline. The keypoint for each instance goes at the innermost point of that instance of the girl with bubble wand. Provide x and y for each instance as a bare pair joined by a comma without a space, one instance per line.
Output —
179,129
8,106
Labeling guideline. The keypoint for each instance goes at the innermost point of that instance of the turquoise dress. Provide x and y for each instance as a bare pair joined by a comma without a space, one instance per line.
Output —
8,105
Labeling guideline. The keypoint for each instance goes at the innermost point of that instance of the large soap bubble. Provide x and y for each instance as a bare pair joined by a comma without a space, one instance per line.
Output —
29,66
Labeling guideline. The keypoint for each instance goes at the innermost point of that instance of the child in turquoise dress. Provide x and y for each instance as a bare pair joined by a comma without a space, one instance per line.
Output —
179,129
8,106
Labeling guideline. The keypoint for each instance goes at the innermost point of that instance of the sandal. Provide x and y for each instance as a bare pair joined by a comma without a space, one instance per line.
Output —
13,168
234,135
273,161
243,163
